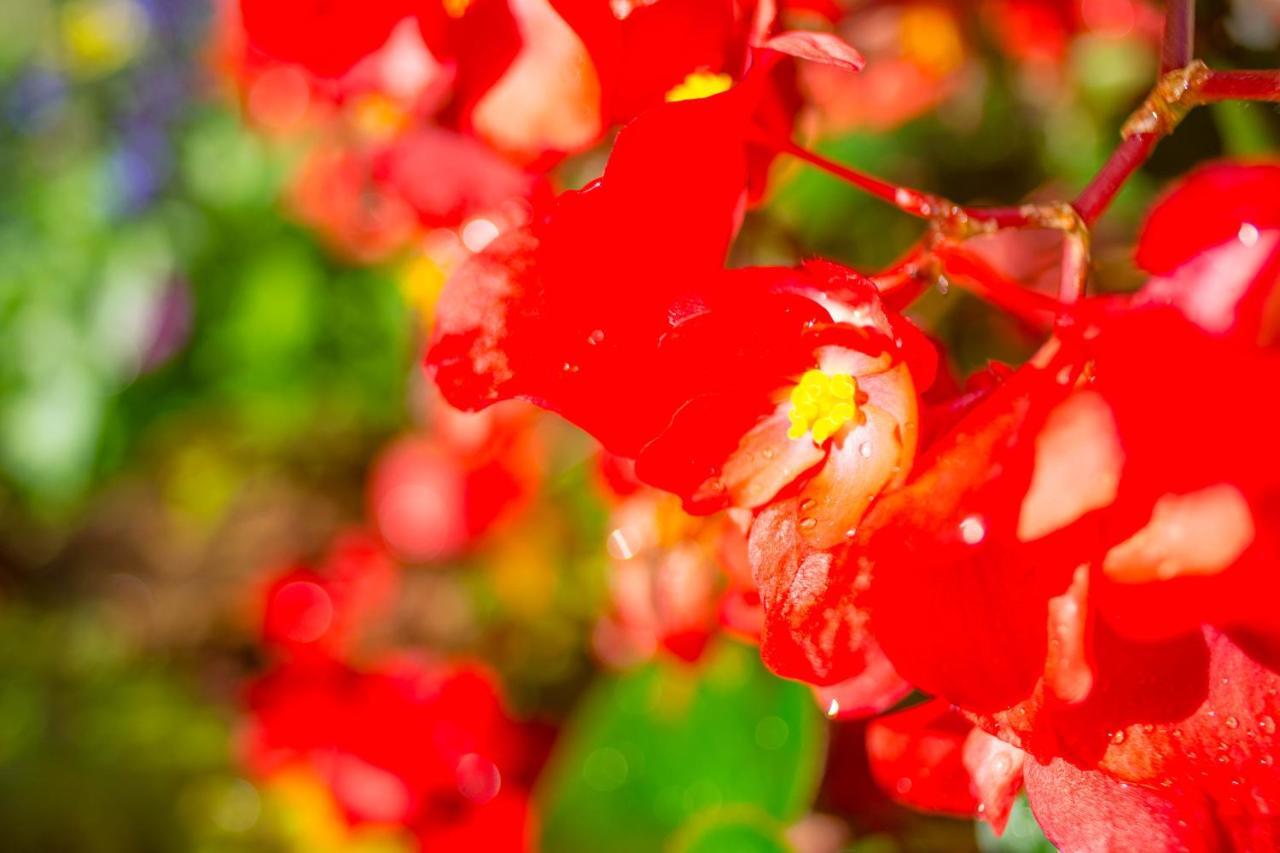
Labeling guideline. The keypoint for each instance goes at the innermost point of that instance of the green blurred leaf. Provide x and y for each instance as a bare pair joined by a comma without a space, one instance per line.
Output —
698,756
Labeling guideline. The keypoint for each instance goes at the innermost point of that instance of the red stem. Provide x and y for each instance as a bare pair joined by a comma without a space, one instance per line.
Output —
1094,199
1177,48
970,270
1240,86
908,200
876,187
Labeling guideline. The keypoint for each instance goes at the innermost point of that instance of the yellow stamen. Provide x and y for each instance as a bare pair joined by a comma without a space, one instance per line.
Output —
700,84
821,404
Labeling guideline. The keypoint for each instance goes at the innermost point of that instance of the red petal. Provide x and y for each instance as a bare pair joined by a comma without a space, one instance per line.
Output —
826,48
877,688
1215,242
995,768
917,756
944,552
325,37
1083,810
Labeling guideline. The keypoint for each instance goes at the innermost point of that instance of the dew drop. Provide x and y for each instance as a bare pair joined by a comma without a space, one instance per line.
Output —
1266,761
1118,737
595,337
808,523
864,449
851,533
570,368
807,504
1266,725
768,453
972,530
833,708
1231,722
1248,234
1223,759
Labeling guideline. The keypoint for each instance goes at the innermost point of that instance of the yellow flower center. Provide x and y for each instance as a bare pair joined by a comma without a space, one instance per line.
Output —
456,8
821,403
700,84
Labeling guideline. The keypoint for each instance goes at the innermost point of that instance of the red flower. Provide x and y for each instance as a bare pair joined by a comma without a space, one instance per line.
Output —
406,742
788,391
308,611
327,37
1097,540
437,494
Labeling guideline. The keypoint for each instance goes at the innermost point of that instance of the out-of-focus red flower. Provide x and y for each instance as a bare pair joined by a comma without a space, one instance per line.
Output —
1097,540
547,101
320,610
1039,31
407,742
334,193
916,54
437,494
668,576
326,37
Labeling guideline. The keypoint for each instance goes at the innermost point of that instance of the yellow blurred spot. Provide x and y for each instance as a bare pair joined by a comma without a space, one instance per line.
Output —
822,403
456,8
700,84
524,579
313,824
421,283
378,116
930,39
101,36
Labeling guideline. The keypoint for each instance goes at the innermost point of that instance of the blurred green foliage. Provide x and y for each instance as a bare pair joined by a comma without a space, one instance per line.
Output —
708,758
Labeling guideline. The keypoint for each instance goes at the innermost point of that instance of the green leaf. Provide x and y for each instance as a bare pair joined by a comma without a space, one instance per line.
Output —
695,757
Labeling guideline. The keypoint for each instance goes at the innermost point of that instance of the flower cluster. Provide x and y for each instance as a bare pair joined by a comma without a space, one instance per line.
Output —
394,740
1076,558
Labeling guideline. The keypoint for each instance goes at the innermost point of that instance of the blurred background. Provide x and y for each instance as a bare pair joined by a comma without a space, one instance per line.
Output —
241,540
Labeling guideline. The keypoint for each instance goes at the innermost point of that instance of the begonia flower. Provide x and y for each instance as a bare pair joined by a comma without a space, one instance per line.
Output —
787,391
1101,562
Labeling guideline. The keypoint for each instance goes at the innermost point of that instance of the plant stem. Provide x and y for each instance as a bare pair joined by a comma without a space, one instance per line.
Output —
1177,48
1094,199
1239,86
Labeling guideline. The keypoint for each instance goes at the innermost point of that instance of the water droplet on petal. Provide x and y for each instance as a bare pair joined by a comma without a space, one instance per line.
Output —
807,504
1266,725
864,449
1231,722
596,336
972,530
1118,737
768,453
808,523
1248,234
569,368
833,708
